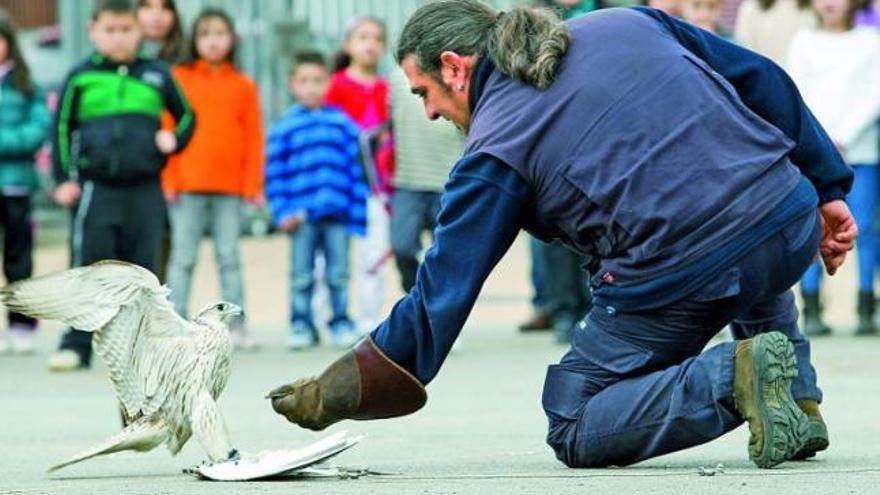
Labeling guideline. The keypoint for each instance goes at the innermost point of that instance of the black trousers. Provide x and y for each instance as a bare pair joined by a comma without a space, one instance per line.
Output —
18,247
115,222
567,285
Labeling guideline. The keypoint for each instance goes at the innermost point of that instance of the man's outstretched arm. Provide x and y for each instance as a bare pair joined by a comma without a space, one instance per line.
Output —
385,374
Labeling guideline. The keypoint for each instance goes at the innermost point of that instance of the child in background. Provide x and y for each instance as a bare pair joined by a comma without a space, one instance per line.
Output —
162,39
358,90
671,7
768,26
837,69
160,26
24,126
704,14
223,165
110,151
317,194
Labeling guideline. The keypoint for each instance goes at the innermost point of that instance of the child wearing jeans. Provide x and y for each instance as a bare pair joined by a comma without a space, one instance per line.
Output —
222,167
360,92
837,68
317,193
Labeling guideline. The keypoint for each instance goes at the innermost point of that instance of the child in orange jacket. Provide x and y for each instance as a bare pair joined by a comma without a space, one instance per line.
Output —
223,165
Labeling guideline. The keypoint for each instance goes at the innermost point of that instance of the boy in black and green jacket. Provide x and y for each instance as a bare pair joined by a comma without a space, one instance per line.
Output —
109,152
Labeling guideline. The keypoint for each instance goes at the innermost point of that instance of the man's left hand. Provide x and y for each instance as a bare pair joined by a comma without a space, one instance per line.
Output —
839,234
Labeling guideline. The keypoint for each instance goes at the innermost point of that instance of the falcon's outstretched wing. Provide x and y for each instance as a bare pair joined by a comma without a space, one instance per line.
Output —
138,334
85,298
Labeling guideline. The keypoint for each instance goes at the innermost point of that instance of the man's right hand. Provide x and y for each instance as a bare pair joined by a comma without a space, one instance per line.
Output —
839,234
67,193
362,384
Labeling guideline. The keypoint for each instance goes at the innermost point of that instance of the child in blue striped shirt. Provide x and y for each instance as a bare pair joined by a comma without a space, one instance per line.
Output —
316,188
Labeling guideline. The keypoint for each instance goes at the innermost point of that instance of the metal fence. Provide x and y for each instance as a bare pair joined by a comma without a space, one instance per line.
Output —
270,32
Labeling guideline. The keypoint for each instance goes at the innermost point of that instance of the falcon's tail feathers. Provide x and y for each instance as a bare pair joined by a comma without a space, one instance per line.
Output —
140,436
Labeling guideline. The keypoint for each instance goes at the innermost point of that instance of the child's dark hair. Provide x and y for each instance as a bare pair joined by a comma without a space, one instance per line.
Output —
308,57
204,15
172,46
111,6
342,59
21,73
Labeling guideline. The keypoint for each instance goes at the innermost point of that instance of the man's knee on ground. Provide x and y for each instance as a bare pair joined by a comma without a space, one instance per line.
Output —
562,438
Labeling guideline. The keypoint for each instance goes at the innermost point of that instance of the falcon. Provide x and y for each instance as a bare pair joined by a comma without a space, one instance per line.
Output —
167,372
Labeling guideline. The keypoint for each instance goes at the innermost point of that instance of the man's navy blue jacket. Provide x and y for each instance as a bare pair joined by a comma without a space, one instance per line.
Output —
661,152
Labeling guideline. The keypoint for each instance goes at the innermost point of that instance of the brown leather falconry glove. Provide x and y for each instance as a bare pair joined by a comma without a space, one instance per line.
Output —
363,384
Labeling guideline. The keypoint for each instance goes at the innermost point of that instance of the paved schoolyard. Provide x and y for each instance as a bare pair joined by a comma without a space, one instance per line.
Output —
481,432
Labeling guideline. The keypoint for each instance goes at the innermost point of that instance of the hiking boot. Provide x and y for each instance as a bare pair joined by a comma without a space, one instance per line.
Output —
817,434
764,368
866,307
813,324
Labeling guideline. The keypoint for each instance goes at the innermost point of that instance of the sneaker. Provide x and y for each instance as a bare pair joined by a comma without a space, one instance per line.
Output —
817,433
764,367
66,360
301,337
243,342
344,335
21,340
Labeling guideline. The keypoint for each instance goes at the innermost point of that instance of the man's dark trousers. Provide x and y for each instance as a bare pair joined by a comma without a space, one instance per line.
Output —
638,385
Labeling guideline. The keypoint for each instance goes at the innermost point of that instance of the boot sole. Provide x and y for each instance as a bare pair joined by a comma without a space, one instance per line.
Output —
785,426
817,440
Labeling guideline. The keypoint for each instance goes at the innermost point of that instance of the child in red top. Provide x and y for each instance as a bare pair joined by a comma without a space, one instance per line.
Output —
356,86
359,91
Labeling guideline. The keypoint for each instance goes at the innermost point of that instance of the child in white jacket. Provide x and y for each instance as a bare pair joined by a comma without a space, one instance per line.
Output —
837,68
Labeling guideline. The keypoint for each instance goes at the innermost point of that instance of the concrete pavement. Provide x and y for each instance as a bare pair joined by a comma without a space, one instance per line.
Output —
481,432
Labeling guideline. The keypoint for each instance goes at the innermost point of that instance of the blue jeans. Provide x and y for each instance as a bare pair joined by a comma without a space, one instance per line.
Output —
638,385
863,201
191,216
332,238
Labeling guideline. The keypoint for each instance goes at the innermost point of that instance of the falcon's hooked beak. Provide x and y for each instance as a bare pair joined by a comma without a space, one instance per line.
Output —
235,310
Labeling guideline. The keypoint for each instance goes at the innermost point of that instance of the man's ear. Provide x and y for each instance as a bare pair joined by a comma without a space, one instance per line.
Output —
454,68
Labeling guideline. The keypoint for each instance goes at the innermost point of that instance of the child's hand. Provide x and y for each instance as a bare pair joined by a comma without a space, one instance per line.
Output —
290,224
166,142
171,197
67,193
258,201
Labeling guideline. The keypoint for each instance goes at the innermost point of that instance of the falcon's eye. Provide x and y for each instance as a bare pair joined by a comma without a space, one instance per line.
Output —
221,307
